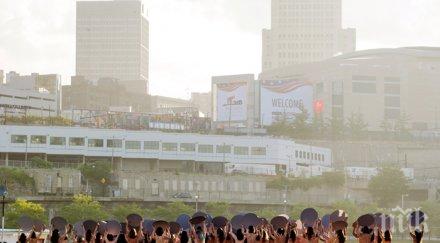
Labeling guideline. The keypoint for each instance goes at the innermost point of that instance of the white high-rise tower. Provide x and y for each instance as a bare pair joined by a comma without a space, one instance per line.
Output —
305,31
112,41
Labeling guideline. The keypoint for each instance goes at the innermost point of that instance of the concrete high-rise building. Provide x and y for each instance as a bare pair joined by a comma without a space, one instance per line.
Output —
305,31
112,41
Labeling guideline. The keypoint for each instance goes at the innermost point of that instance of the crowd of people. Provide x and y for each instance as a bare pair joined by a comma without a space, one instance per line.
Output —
242,228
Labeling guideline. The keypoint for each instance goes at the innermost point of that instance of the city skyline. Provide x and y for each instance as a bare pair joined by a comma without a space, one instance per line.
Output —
33,39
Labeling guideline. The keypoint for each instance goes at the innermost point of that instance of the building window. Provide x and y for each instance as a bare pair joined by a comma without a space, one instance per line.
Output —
206,149
169,147
151,145
114,143
258,151
96,143
296,153
36,139
392,101
392,89
134,145
223,149
76,141
392,79
188,147
364,88
57,141
363,78
392,113
241,150
18,138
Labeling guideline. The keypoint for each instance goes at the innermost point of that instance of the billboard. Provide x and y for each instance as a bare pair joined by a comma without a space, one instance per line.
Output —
231,101
283,99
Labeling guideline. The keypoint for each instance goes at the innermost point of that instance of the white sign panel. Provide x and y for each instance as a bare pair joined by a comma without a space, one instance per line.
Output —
283,99
231,101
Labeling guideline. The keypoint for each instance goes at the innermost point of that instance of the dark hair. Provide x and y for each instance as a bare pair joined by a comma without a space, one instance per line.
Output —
22,238
89,235
292,235
98,237
159,231
419,235
184,237
33,235
55,236
79,239
341,236
239,234
387,235
121,239
132,233
221,234
280,231
110,237
251,229
366,230
310,233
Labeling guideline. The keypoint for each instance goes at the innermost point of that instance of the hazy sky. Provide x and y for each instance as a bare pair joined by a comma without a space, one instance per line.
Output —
192,40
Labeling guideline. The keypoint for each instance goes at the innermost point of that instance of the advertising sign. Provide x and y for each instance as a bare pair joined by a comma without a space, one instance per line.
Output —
283,99
231,101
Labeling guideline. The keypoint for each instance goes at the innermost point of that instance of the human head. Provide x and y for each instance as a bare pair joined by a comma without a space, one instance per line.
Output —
387,235
310,233
184,237
55,236
239,234
159,231
341,236
22,238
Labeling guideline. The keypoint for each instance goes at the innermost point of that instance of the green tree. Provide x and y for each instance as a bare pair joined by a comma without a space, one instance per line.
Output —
96,171
267,213
22,207
171,210
83,207
317,128
280,128
301,126
388,186
401,126
432,210
17,180
120,212
335,127
218,208
37,162
356,126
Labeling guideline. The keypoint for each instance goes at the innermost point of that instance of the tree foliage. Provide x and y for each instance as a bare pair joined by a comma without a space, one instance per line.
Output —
96,171
22,207
37,162
331,179
218,208
388,186
170,211
16,179
83,207
121,211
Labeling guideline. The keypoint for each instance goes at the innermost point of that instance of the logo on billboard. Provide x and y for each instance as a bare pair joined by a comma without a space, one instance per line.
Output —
231,101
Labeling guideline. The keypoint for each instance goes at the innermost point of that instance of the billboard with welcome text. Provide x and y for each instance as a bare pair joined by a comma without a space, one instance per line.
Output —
284,99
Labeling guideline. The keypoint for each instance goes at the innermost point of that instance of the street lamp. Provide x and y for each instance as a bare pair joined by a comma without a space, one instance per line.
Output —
3,193
285,206
197,201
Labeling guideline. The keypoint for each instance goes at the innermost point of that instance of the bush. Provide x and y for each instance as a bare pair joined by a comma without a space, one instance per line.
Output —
37,162
329,179
16,178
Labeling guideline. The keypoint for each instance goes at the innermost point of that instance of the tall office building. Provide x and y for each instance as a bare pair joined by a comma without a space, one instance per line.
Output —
112,41
305,31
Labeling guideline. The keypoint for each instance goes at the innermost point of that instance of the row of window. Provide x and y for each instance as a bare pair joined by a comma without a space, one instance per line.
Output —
137,145
192,186
309,155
